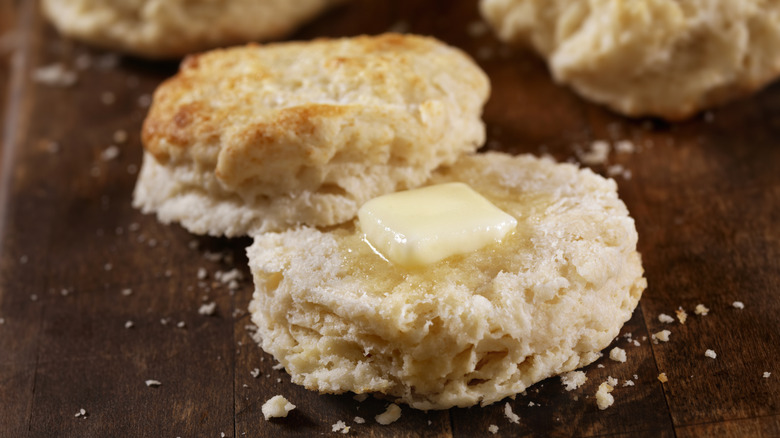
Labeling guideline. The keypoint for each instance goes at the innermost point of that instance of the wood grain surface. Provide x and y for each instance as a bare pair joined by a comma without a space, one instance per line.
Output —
705,195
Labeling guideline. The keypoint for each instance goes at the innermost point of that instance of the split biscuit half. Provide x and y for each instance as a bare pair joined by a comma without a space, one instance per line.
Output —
472,328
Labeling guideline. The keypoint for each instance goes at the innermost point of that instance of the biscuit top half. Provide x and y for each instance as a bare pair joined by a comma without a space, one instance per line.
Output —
287,117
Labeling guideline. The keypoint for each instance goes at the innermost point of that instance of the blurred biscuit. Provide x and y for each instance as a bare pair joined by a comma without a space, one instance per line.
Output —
666,58
174,28
263,138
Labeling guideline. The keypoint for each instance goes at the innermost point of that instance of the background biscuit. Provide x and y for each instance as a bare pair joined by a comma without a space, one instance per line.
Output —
469,329
667,58
174,28
260,138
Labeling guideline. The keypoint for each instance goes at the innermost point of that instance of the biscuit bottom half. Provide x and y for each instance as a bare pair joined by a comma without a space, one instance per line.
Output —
468,329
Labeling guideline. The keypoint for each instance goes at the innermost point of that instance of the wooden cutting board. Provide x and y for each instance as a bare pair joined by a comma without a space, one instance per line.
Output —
79,265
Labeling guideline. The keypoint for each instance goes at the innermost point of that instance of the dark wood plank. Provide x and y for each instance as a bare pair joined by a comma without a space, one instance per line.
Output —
705,195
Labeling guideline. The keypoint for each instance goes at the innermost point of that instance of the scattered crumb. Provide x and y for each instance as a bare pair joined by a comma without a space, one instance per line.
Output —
738,305
144,100
2,320
360,398
662,336
81,413
573,379
710,353
202,273
493,429
615,169
391,414
359,420
340,426
33,297
55,75
108,266
618,354
767,374
665,318
181,324
628,383
276,407
611,381
601,365
129,324
597,154
603,397
511,416
109,153
278,367
701,309
662,378
681,315
120,136
625,147
208,309
153,383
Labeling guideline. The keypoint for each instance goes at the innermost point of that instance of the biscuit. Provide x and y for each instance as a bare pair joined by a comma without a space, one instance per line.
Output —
471,328
666,58
261,138
174,28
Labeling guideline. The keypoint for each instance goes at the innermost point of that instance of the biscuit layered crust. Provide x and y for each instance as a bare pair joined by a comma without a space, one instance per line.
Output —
468,329
262,138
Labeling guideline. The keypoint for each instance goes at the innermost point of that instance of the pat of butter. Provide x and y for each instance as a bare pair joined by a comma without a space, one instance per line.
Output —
422,226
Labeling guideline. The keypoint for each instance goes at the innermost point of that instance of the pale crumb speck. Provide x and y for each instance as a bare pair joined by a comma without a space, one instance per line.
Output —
202,273
615,169
181,324
635,343
144,100
33,297
493,429
81,413
108,267
126,292
134,226
390,415
510,415
603,397
662,378
129,324
55,75
255,373
109,153
628,383
618,354
738,305
340,426
573,379
597,154
23,259
153,383
165,321
2,321
531,404
108,98
662,336
665,318
208,309
701,309
600,366
711,354
625,147
681,315
119,136
359,420
278,367
64,292
360,398
612,381
766,373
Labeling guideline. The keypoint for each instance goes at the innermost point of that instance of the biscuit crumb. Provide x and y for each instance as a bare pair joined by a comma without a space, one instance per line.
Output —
55,75
109,153
597,154
390,415
625,147
511,416
665,318
81,413
359,420
662,336
710,353
628,383
701,309
360,398
611,381
603,397
493,429
255,373
276,407
662,378
208,309
129,324
681,315
573,379
767,374
618,354
340,426
153,383
738,305
120,136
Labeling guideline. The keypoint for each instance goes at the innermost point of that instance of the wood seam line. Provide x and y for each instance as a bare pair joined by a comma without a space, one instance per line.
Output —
657,369
733,420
